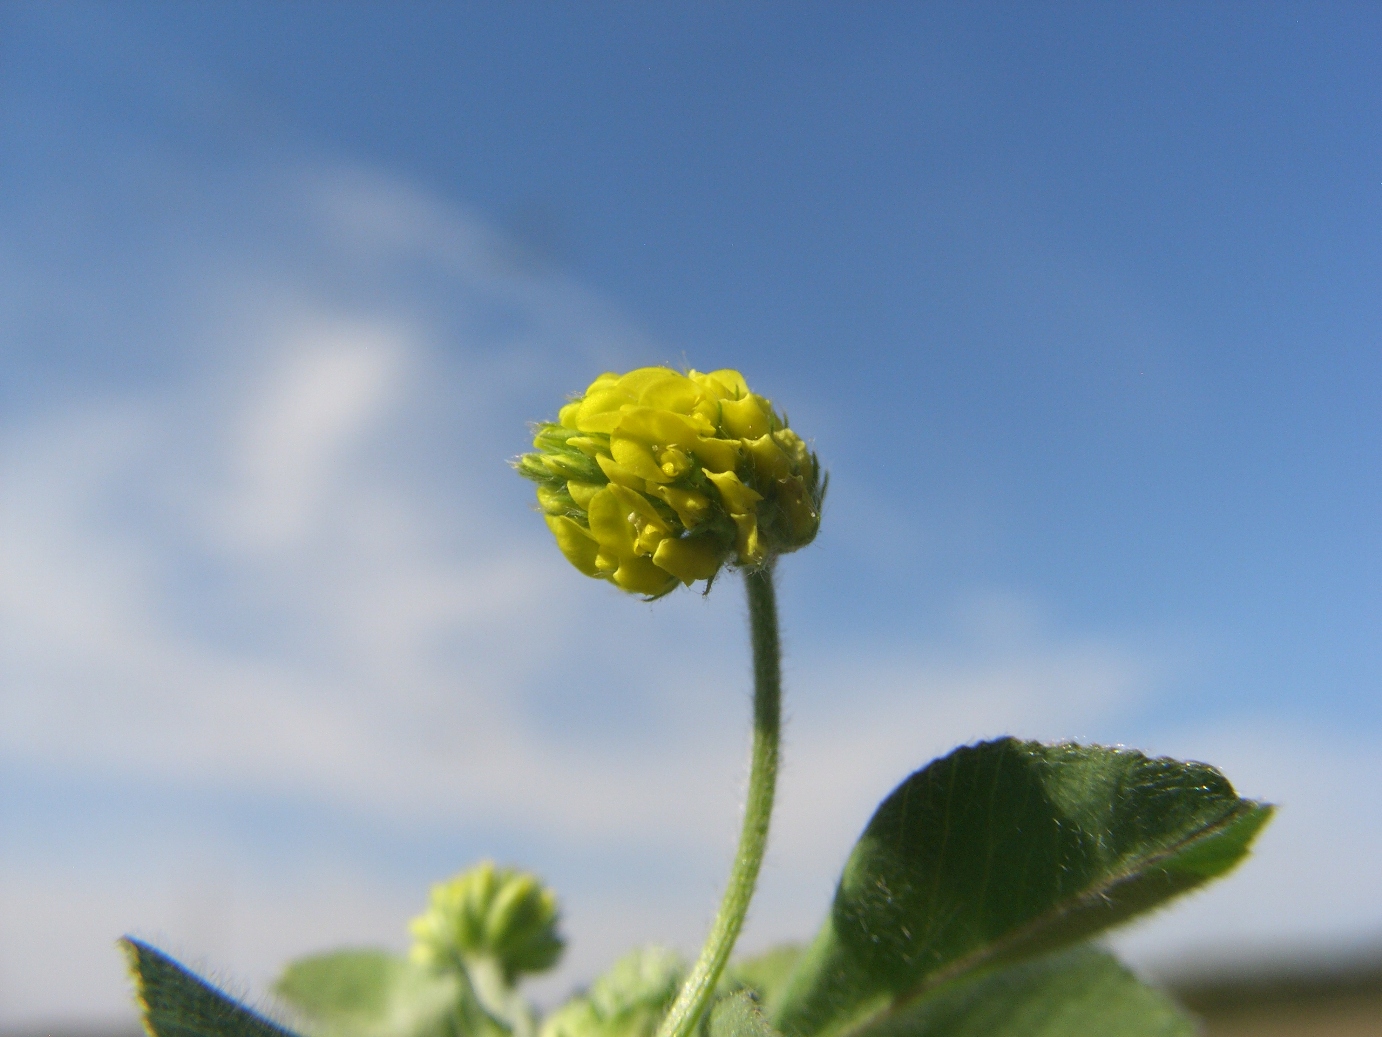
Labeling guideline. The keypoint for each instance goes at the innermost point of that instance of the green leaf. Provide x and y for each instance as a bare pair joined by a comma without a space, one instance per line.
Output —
1002,851
738,1016
1075,993
176,1003
368,993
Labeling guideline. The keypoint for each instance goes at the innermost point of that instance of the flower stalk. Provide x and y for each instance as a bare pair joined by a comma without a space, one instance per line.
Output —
696,993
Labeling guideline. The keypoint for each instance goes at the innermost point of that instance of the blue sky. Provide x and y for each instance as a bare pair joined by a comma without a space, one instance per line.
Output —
1079,306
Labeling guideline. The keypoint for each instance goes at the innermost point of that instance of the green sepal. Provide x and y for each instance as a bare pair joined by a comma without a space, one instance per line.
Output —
1002,851
174,1002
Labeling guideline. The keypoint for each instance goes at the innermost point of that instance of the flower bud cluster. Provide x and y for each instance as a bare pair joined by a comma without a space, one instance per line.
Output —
656,477
628,1001
500,914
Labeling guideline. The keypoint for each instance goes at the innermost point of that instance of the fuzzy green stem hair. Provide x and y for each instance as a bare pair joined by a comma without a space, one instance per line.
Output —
691,1003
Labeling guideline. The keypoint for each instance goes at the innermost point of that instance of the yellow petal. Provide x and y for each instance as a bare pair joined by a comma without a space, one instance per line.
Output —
649,537
552,501
581,492
599,411
657,427
717,455
635,382
636,456
616,473
732,378
591,446
673,462
739,499
641,576
727,384
691,507
647,527
639,509
566,417
746,418
675,393
608,380
575,542
704,415
747,543
610,525
690,558
769,460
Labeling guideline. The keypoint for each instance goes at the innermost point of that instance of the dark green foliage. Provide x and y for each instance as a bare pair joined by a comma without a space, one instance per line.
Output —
1075,993
1002,851
176,1003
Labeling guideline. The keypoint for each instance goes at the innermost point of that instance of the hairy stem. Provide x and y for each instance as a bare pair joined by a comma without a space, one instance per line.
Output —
691,1002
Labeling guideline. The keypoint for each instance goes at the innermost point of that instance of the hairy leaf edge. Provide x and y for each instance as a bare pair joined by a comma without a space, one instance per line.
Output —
138,953
1025,942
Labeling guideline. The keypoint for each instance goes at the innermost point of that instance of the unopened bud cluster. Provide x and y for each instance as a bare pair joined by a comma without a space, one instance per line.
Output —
628,1001
655,477
500,914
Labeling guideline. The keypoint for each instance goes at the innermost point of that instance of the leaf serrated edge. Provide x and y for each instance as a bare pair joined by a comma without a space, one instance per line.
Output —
131,948
138,954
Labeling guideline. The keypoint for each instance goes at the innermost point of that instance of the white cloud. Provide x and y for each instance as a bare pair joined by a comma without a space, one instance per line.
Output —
297,433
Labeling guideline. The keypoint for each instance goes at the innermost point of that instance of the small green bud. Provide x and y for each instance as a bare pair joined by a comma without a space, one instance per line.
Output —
500,914
655,477
627,1001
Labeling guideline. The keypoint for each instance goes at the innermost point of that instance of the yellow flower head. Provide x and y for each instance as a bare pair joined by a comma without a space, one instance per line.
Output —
655,477
488,912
